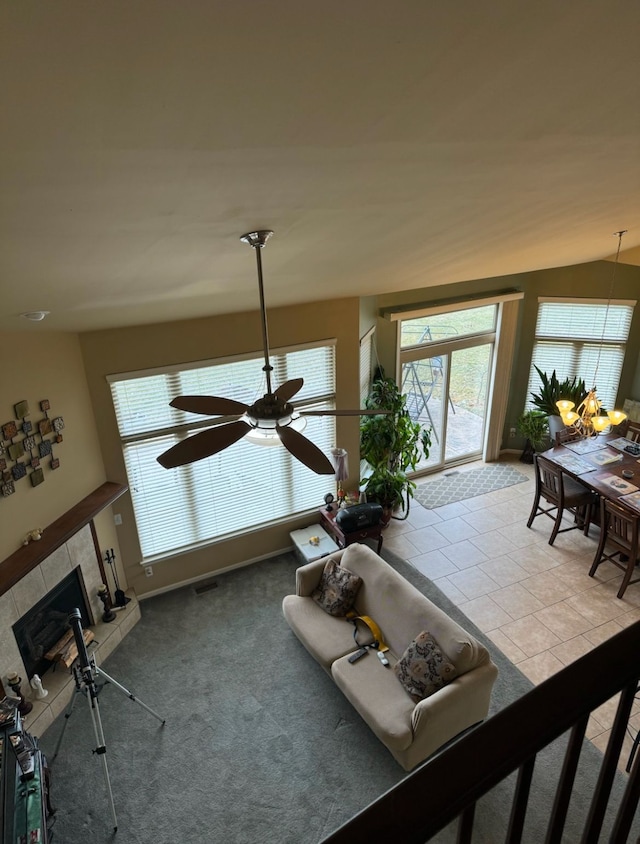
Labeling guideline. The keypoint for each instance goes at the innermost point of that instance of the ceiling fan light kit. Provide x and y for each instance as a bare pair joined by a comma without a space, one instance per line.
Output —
270,420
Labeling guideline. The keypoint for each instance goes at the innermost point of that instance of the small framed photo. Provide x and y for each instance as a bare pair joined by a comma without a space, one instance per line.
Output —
37,477
27,427
35,462
58,423
7,488
29,443
44,427
9,430
45,404
55,463
59,438
21,409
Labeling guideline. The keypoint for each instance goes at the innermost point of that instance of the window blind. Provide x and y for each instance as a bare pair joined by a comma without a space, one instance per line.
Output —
239,489
584,340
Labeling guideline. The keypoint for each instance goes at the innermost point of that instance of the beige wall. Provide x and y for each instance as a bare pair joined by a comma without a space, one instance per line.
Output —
43,365
125,350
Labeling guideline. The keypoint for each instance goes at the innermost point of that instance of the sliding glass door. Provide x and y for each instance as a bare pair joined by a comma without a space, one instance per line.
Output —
446,364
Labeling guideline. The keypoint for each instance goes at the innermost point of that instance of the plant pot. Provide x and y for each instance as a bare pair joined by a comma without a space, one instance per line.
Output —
528,452
555,424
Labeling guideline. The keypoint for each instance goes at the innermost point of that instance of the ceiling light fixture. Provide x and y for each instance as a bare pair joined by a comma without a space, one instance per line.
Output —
586,418
35,316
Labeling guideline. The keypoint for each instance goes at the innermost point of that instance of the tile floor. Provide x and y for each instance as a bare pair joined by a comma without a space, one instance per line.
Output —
536,602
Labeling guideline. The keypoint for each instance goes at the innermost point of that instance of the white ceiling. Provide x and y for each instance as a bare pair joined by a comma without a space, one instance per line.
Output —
389,145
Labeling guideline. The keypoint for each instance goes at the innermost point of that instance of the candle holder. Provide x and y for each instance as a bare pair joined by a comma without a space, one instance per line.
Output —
24,706
103,594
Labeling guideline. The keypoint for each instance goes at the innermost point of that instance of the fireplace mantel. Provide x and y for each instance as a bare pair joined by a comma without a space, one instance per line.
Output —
27,557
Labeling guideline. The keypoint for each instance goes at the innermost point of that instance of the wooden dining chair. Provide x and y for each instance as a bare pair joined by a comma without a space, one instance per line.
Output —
561,493
633,431
619,534
567,435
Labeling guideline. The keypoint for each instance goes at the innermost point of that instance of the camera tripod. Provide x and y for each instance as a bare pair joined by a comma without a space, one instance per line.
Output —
85,672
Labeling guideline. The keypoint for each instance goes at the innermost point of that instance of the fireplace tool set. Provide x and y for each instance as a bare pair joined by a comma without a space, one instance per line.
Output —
85,672
121,599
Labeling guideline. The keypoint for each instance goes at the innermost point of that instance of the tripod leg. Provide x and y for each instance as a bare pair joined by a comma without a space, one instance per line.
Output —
126,692
67,715
101,748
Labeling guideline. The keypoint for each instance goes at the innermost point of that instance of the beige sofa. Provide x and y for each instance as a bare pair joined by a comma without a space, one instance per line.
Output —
410,731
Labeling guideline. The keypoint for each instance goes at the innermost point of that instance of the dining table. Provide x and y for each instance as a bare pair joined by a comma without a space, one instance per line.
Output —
607,463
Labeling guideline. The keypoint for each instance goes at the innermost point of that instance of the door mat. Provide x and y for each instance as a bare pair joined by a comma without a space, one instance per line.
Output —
432,494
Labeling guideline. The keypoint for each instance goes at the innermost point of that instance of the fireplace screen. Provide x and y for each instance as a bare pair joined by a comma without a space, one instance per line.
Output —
47,621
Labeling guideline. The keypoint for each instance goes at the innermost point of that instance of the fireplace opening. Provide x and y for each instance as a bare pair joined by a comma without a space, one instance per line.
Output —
48,620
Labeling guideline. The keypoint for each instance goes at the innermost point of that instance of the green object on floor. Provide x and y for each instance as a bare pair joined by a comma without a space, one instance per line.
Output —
457,487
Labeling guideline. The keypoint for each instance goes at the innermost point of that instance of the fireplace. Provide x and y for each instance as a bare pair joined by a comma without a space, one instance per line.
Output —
47,621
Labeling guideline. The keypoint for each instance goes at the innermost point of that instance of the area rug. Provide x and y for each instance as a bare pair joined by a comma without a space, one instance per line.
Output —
259,743
460,485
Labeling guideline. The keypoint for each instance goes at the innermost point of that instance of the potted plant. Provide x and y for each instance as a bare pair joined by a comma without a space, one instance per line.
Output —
534,427
392,444
551,391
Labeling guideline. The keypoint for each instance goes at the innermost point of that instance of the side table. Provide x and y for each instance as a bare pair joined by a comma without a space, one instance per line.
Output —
328,522
307,552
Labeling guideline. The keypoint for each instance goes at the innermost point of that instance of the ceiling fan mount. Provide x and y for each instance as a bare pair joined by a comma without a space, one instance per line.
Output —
256,239
270,420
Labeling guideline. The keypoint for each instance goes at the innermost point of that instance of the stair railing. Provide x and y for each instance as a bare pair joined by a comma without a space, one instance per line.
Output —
448,785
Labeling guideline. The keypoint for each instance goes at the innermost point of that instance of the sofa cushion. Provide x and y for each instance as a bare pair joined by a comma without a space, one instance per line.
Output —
337,589
423,668
378,697
326,637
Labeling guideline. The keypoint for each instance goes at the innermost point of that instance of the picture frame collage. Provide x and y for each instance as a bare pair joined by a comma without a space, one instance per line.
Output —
26,447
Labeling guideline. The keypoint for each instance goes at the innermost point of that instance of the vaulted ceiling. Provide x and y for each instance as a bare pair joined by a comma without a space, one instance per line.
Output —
390,146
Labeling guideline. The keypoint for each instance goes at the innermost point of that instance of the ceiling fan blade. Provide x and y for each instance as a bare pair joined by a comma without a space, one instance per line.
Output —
289,388
305,451
203,444
209,405
359,412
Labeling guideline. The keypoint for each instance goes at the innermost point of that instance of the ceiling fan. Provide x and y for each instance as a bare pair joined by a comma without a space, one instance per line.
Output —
268,418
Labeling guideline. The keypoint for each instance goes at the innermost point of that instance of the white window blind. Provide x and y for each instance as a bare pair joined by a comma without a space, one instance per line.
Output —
582,339
239,489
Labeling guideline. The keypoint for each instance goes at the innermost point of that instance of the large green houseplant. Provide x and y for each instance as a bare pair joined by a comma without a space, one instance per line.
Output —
534,427
392,444
552,390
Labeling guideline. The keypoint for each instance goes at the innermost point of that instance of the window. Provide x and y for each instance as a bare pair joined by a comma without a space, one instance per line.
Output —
366,364
583,339
239,489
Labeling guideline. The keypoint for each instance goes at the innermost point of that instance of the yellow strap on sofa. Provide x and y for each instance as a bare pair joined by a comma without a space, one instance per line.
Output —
378,642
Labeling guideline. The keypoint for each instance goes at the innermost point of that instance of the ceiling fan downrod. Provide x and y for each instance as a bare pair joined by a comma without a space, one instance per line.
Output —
257,240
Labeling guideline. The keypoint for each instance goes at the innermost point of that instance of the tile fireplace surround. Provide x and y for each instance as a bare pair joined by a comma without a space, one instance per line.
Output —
79,549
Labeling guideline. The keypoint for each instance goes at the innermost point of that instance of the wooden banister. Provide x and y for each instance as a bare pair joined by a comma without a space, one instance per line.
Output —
508,742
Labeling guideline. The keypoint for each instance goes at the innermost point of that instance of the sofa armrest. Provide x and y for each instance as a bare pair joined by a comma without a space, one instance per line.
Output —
460,704
308,576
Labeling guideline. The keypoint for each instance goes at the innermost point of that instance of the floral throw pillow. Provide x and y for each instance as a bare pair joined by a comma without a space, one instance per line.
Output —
337,589
423,668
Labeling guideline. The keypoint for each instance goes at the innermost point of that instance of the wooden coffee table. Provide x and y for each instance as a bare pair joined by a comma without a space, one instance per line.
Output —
328,522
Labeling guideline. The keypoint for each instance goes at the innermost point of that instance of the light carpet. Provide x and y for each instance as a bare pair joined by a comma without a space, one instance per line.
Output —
457,486
259,744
